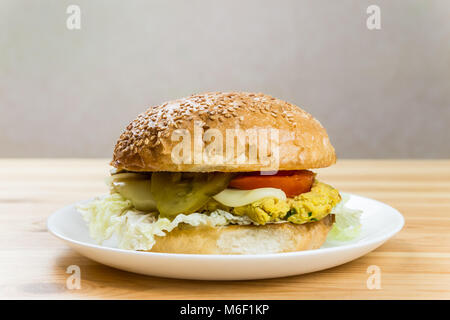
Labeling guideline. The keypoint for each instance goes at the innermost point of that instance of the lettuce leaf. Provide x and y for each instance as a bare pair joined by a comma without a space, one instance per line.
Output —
136,230
347,225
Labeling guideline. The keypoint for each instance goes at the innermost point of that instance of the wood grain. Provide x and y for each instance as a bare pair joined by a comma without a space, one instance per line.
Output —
414,264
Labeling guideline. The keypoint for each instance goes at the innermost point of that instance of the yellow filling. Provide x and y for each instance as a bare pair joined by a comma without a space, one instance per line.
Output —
264,210
313,205
306,207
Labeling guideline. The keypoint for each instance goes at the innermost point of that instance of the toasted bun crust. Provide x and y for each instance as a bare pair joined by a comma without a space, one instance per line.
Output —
236,239
146,144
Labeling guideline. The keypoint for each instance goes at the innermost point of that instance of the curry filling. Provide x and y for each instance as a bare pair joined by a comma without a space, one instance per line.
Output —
306,207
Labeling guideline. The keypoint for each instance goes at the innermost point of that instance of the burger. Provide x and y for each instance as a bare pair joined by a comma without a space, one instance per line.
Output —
221,173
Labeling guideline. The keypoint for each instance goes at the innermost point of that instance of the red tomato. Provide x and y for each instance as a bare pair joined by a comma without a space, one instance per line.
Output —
292,182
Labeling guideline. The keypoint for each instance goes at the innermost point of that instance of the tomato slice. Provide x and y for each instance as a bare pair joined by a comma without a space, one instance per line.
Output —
292,182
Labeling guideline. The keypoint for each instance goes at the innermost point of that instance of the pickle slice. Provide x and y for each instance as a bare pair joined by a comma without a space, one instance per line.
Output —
177,192
135,187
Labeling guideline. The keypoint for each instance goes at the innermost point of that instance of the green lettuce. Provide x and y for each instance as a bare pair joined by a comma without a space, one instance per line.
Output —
347,225
136,230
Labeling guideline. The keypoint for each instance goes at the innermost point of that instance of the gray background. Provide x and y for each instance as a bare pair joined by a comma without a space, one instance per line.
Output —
380,94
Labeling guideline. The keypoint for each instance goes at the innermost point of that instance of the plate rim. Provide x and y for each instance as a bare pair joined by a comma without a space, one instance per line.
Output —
359,244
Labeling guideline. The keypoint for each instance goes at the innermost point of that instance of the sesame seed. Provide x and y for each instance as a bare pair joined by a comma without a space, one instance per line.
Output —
152,126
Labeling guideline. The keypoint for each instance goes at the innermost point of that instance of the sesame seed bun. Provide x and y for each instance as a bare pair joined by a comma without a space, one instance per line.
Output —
147,142
251,239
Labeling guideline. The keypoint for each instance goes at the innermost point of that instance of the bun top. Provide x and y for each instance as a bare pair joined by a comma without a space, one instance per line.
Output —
223,131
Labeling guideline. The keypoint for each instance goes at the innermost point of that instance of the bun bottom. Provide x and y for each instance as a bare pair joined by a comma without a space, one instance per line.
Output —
245,239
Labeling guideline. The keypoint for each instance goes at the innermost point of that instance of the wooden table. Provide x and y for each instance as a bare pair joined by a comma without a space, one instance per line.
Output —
414,264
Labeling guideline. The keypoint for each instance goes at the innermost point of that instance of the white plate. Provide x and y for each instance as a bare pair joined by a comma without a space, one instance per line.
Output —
379,223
